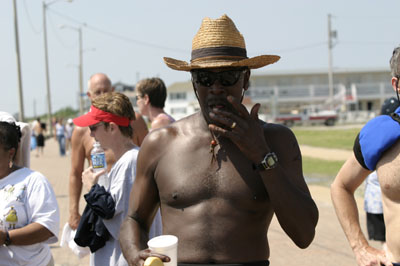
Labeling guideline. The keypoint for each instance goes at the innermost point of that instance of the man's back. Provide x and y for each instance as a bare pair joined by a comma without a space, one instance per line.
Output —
206,202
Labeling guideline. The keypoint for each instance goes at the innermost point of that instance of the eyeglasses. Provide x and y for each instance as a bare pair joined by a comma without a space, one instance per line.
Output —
95,126
208,78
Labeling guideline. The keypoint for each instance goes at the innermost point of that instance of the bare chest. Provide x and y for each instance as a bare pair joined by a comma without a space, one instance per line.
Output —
190,176
388,170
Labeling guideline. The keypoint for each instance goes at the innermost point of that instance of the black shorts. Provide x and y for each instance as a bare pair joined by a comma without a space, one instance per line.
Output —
40,140
255,263
376,227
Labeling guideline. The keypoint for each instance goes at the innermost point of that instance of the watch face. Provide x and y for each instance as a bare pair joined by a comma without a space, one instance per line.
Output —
270,161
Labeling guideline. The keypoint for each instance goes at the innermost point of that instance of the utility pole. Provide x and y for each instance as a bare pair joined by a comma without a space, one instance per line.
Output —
46,63
80,66
81,103
20,93
331,35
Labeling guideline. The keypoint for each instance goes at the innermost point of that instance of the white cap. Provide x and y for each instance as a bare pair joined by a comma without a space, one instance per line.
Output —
69,121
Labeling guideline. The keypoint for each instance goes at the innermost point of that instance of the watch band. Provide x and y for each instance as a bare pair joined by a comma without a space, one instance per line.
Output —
7,241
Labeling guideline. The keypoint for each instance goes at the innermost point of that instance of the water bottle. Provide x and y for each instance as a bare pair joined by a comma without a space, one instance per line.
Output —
99,163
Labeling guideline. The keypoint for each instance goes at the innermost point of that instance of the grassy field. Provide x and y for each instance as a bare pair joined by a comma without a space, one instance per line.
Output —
327,137
324,171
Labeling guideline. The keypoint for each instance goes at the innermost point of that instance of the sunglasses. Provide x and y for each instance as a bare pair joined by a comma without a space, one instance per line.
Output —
95,126
208,78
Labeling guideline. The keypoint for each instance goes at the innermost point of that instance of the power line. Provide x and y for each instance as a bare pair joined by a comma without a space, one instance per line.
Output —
118,36
303,47
30,20
58,38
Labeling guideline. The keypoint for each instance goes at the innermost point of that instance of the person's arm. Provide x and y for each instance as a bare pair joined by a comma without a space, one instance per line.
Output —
143,205
349,178
75,176
140,129
293,205
28,235
291,200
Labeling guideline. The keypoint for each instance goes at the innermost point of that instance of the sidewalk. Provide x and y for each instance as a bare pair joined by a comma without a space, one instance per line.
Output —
329,247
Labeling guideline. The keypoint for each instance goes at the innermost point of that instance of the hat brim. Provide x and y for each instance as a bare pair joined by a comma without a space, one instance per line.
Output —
85,120
251,63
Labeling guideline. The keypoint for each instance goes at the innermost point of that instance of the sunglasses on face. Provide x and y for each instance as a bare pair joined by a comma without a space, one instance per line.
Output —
95,126
208,78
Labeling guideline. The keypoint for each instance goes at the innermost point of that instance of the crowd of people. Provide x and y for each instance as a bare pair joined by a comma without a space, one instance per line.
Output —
213,179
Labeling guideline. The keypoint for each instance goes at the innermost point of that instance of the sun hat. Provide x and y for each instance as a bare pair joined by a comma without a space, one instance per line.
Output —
218,43
96,115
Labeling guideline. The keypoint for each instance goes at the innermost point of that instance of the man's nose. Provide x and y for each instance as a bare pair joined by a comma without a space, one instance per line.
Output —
217,88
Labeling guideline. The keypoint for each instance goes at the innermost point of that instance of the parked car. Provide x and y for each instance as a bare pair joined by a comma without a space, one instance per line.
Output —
309,116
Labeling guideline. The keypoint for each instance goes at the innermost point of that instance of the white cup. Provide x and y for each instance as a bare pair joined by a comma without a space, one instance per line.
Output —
166,245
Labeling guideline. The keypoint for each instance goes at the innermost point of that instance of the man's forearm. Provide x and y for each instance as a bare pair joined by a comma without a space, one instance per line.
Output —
75,190
347,213
132,239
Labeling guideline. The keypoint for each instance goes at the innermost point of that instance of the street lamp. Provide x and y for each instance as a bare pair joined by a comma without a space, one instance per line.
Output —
46,61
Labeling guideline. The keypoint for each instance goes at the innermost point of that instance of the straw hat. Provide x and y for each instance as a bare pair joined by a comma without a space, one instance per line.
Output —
217,44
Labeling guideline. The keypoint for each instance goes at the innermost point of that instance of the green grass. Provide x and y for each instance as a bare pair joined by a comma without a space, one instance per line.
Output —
327,138
320,171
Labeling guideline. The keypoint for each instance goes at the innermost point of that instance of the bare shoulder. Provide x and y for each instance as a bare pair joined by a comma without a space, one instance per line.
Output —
79,132
278,132
282,140
81,138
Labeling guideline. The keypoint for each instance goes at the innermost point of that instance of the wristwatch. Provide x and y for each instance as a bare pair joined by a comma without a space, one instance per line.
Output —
269,162
7,241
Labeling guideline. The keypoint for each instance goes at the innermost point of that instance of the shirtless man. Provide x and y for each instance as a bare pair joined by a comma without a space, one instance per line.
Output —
220,174
82,144
377,147
151,95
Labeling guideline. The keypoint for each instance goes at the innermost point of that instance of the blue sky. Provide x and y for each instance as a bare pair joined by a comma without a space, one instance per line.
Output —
127,39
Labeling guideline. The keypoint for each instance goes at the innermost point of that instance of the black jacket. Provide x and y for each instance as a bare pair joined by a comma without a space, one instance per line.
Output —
91,230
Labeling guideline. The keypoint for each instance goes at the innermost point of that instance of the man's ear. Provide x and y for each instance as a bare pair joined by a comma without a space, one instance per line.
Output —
395,84
246,80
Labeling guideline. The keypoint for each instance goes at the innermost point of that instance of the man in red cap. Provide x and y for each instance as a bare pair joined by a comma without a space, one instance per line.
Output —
221,174
110,122
82,144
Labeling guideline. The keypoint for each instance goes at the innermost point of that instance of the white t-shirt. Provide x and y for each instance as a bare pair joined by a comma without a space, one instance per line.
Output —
27,197
119,184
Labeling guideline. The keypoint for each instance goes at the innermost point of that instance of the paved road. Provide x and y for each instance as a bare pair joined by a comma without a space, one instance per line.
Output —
328,249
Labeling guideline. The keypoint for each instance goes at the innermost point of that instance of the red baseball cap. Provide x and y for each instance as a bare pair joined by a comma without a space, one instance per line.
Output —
96,115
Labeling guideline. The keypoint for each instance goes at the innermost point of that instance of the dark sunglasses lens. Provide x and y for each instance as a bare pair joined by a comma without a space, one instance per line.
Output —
206,78
229,78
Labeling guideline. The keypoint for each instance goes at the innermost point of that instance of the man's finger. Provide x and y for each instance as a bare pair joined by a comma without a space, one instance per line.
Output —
254,111
238,106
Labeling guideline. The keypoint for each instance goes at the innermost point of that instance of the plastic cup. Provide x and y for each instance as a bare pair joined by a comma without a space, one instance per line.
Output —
166,245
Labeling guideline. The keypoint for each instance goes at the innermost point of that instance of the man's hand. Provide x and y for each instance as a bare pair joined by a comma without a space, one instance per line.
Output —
73,220
243,129
90,178
139,259
369,256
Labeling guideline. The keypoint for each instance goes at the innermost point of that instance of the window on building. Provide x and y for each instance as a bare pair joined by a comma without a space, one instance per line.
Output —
173,96
178,110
